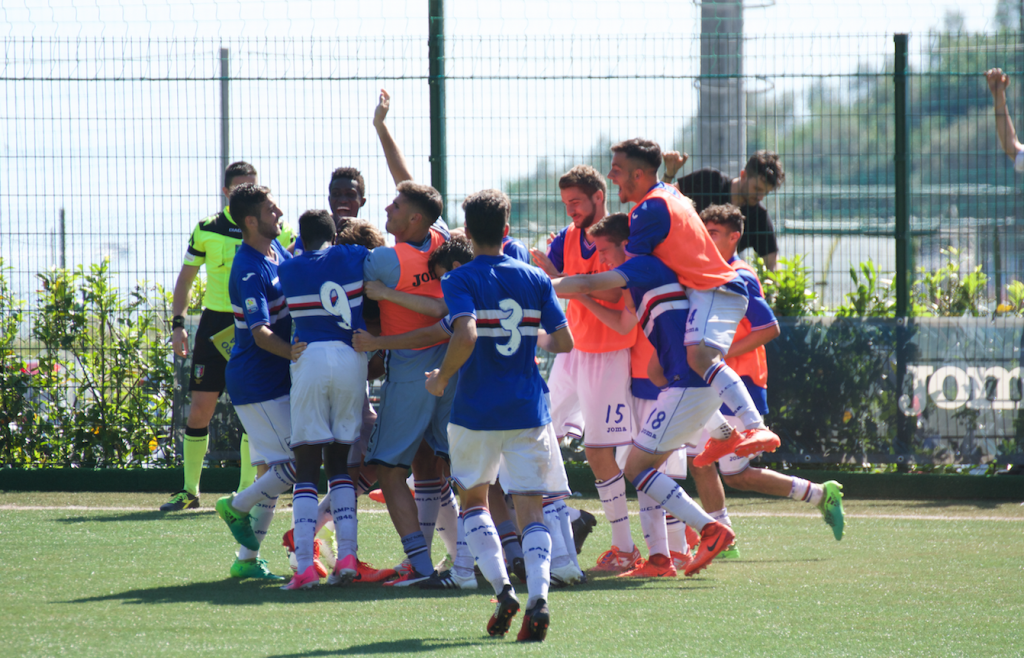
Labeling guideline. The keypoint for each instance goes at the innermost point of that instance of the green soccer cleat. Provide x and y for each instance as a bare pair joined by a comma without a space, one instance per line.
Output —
239,523
180,500
831,507
731,552
254,568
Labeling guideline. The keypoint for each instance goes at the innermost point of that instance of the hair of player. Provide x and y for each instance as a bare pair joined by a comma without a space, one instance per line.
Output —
456,249
487,213
352,174
316,227
358,232
424,197
643,151
584,177
614,227
726,215
236,169
768,166
245,201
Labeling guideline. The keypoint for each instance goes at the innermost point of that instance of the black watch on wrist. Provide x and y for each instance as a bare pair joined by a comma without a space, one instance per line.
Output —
178,321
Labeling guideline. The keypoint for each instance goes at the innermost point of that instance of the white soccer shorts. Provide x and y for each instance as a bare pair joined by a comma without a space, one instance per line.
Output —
327,395
674,466
597,385
714,316
529,469
269,426
677,418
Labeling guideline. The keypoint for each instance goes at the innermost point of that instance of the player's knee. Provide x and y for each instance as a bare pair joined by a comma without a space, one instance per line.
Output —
740,481
701,357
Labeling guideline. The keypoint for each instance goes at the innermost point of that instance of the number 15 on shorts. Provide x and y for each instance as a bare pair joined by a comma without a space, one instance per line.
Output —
615,412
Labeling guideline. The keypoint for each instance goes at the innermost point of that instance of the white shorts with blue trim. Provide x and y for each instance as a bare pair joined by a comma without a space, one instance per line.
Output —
714,316
328,392
269,426
677,418
674,466
593,387
529,468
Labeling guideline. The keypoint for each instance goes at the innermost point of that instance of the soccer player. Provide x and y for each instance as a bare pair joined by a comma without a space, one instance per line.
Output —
213,243
685,402
323,288
407,415
762,175
747,358
592,381
497,306
257,373
664,224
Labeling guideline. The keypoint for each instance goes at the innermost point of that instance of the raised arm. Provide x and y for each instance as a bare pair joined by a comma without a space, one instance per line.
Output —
396,161
997,84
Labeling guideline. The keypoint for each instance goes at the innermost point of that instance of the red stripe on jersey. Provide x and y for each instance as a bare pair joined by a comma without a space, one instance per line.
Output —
667,297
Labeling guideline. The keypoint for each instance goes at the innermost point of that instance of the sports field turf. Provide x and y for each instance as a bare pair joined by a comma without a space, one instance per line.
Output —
105,575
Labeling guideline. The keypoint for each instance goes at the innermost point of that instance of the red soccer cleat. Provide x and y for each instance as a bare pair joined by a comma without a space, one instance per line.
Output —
714,538
680,560
659,566
692,539
367,574
377,496
288,541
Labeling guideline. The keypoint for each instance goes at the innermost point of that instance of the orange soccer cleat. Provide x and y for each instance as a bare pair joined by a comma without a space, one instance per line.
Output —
615,560
714,538
659,566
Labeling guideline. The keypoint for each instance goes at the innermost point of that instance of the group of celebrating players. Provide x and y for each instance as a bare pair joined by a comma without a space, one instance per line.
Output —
660,368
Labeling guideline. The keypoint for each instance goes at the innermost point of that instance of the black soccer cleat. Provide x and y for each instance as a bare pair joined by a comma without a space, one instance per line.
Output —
581,528
508,606
535,623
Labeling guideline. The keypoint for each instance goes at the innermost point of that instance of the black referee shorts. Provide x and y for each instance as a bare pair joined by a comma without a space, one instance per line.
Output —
208,364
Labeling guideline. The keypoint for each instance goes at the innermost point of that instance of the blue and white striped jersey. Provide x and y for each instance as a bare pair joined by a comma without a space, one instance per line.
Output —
324,290
500,387
254,374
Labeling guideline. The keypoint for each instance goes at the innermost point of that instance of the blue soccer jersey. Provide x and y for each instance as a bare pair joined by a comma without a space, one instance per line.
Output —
515,249
254,374
661,308
500,387
324,290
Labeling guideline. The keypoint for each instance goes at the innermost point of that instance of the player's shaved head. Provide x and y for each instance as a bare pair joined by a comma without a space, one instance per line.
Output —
614,227
642,153
726,215
487,213
316,227
454,250
584,177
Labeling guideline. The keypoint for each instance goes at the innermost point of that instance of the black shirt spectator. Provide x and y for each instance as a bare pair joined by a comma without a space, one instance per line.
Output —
708,187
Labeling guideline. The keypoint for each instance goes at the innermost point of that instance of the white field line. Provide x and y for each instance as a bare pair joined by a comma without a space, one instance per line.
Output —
791,515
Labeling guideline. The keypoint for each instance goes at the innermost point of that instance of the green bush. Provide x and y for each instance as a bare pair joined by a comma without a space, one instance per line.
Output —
103,378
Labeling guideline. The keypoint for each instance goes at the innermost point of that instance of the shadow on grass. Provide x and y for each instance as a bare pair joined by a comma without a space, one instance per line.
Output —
414,645
153,515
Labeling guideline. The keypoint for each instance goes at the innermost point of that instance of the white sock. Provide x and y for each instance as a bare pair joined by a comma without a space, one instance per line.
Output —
718,427
722,516
463,560
806,491
664,489
271,484
261,515
567,536
558,555
734,394
304,504
428,503
652,522
676,534
573,513
482,537
613,499
537,553
323,514
448,520
342,494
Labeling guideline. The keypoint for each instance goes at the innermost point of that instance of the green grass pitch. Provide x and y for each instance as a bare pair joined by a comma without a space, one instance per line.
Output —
105,575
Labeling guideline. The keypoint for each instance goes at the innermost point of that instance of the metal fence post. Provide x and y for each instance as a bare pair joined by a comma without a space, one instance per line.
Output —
438,138
225,107
904,429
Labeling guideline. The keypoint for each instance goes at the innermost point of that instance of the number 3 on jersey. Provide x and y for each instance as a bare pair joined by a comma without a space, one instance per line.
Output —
335,301
510,324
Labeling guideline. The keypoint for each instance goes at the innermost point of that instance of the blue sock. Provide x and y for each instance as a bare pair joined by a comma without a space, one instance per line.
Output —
510,541
415,547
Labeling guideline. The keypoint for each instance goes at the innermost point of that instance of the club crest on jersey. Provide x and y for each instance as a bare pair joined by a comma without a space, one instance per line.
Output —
250,304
